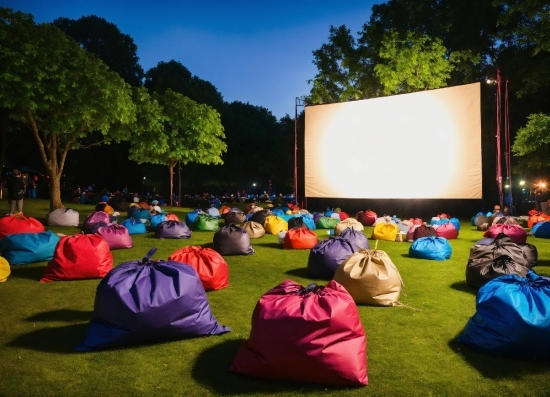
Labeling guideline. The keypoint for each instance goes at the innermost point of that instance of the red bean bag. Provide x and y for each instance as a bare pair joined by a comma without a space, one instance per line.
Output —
311,335
515,232
15,224
171,217
300,238
79,257
447,230
367,218
209,265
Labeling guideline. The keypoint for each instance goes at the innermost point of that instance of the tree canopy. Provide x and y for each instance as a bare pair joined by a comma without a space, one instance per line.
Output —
60,91
116,49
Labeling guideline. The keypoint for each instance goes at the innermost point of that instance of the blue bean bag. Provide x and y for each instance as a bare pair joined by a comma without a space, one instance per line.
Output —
144,301
156,219
190,217
23,248
432,247
455,222
512,317
142,213
541,229
134,226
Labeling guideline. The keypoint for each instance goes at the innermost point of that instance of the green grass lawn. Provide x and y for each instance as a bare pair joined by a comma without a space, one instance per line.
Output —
410,353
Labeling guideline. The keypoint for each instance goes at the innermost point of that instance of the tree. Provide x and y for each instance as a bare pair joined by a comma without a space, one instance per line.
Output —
176,77
117,50
412,64
190,133
59,90
532,143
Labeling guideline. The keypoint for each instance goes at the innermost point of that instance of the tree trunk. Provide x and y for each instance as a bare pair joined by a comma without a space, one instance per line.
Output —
55,190
171,165
179,184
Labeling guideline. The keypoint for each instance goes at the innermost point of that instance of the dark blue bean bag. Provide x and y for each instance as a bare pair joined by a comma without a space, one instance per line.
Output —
145,301
134,226
327,255
431,247
23,248
172,229
142,213
512,317
541,229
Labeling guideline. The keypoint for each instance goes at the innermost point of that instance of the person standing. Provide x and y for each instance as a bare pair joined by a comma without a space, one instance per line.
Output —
16,192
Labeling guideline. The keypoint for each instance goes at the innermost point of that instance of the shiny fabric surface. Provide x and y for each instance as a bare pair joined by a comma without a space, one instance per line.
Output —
327,255
209,265
385,231
371,278
311,335
515,232
172,229
512,317
355,237
63,217
432,247
275,224
79,257
300,238
348,223
232,240
146,301
15,224
117,236
23,248
134,226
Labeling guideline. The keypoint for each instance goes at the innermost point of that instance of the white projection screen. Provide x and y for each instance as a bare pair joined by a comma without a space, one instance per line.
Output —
424,145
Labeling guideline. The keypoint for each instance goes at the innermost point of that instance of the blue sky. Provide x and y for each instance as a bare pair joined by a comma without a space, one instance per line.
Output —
258,52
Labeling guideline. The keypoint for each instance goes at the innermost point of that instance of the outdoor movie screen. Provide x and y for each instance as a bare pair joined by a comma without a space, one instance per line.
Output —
420,145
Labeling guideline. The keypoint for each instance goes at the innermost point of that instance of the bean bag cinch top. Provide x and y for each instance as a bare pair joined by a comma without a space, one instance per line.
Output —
146,300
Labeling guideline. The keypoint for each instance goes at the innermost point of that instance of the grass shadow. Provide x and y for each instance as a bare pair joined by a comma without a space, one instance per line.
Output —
51,339
66,315
28,272
497,367
299,272
463,286
211,370
277,246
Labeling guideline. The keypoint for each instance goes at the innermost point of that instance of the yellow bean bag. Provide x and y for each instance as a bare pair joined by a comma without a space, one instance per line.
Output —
4,269
385,231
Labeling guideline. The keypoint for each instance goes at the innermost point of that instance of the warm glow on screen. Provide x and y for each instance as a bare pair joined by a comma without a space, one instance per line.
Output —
421,145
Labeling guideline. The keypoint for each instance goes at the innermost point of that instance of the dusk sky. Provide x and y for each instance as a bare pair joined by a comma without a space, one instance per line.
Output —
258,52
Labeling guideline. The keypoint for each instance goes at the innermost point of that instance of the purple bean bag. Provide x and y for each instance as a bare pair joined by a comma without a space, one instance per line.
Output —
355,237
327,255
117,236
144,301
172,229
95,220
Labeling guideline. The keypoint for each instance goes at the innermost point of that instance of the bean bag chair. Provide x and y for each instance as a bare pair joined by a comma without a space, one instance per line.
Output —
147,301
206,223
191,217
156,219
327,255
171,217
144,205
79,257
118,204
253,229
142,213
213,211
410,233
335,215
512,317
367,218
316,217
117,236
473,218
134,226
235,217
343,215
385,231
480,272
489,249
328,213
541,230
224,209
456,223
300,238
260,216
209,265
274,224
423,231
515,232
95,220
105,208
23,248
348,223
534,219
307,219
311,335
433,247
482,223
287,217
172,229
277,212
15,224
447,230
62,217
371,278
232,240
355,237
326,222
297,221
5,269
